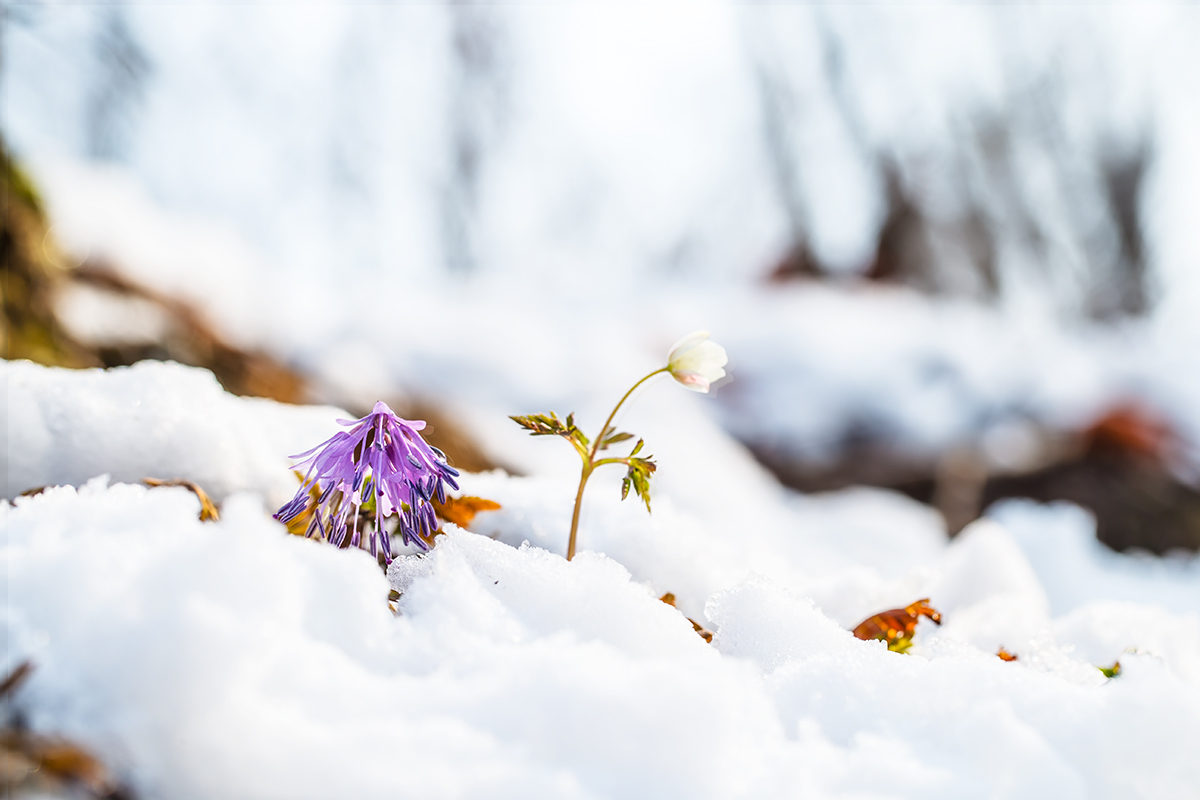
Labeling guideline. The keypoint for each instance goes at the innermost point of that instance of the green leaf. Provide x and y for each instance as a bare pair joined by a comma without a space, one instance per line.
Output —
542,424
574,433
640,470
637,448
614,439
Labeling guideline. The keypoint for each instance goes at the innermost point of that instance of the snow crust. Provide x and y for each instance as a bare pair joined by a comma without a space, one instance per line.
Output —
230,659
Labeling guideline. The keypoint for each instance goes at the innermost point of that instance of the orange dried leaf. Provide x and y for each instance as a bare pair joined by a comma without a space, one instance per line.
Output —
896,626
43,765
461,510
1005,655
208,509
69,762
705,633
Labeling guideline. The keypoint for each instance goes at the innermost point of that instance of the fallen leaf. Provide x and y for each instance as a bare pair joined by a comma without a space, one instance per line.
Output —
705,633
896,626
461,510
49,765
208,509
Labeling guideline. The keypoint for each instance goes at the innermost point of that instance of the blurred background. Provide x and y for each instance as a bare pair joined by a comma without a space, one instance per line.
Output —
952,250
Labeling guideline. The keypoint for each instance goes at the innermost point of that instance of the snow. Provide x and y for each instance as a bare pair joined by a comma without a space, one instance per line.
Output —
232,659
1063,534
151,420
300,181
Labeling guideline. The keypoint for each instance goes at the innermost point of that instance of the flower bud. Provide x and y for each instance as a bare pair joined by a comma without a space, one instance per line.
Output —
696,362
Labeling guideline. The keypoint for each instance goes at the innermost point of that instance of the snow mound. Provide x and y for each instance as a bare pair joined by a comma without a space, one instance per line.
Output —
230,659
153,419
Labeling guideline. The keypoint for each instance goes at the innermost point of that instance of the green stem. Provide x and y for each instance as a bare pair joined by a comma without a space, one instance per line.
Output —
621,402
583,479
590,464
604,461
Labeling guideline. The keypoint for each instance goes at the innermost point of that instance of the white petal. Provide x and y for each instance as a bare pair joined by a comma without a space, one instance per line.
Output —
705,357
697,362
685,344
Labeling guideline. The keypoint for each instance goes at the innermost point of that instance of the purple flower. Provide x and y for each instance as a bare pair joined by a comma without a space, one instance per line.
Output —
380,467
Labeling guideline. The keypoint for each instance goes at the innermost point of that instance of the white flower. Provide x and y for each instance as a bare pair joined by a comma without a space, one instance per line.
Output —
696,362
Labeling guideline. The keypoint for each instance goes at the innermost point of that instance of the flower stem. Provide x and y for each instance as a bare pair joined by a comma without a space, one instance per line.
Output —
590,464
583,479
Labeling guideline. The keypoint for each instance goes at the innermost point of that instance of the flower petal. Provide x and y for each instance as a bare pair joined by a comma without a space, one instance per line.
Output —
686,343
696,362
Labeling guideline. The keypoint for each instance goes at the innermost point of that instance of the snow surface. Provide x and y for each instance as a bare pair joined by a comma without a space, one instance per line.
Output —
151,420
230,659
293,173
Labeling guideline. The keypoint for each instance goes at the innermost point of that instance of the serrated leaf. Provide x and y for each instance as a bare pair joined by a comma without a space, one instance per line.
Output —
640,470
645,464
541,424
528,423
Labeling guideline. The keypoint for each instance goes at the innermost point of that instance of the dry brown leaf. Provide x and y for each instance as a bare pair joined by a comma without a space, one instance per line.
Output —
705,633
1005,655
32,762
49,763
